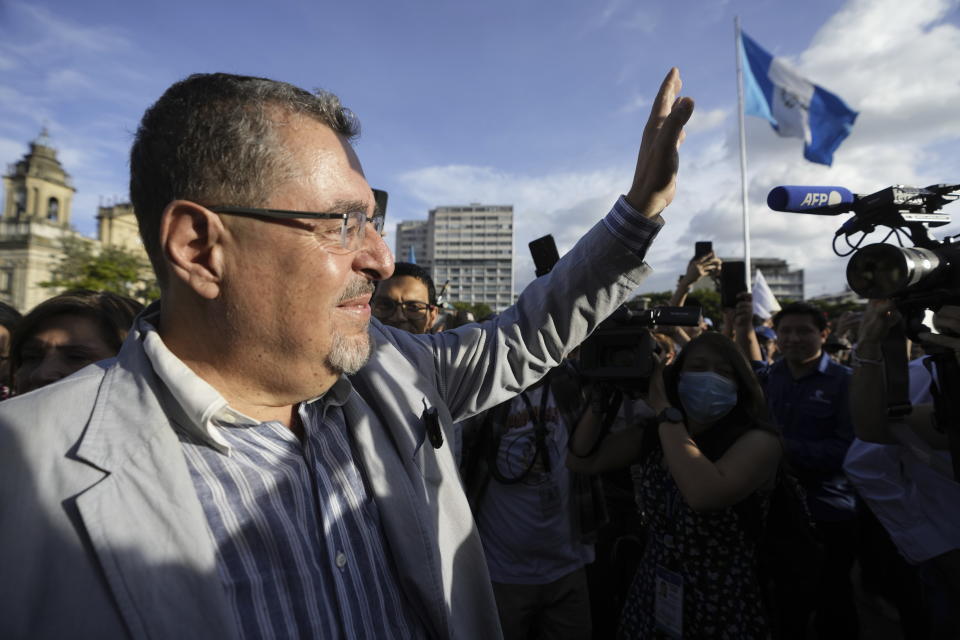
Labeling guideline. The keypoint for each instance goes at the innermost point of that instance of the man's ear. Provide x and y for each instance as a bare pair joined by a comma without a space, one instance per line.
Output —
432,314
191,236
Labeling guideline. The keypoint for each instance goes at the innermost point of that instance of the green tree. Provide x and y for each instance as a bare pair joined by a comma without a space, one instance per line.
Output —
833,310
480,310
113,268
707,299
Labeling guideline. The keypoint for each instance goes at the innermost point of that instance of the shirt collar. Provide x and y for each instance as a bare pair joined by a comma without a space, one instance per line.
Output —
823,366
203,405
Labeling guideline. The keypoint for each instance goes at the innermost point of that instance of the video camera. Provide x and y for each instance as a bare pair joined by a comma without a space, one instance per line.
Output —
620,350
919,277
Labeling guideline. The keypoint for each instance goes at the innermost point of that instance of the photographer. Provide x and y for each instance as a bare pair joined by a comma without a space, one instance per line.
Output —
535,518
906,476
712,448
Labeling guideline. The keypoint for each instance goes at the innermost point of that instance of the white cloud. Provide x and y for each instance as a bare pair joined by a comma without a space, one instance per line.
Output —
601,18
900,71
702,120
563,204
901,74
59,34
69,80
641,19
623,15
635,104
82,82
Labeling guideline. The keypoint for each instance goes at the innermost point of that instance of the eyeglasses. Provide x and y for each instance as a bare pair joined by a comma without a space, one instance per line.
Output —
385,307
345,239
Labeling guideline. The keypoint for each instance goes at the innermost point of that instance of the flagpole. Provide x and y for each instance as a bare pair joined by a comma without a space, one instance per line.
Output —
743,153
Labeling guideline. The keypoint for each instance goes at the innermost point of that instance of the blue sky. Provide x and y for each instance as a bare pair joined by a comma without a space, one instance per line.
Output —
536,104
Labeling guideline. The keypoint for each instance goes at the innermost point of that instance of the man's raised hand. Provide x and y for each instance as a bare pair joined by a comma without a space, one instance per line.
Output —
655,179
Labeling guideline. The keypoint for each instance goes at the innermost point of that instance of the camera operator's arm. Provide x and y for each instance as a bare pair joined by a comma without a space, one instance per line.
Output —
868,386
744,335
947,322
697,268
617,450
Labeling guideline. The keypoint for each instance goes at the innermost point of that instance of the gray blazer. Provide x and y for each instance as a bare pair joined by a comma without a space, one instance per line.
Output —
102,534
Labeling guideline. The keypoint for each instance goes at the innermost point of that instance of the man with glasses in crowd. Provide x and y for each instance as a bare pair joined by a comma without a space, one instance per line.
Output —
406,300
261,459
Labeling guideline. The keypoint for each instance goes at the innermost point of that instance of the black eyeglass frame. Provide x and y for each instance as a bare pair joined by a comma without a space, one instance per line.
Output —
376,220
418,313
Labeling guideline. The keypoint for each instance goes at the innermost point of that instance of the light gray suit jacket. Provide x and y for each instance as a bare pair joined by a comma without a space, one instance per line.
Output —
102,534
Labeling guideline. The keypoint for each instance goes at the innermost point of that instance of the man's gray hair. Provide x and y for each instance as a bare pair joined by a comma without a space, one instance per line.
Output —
213,139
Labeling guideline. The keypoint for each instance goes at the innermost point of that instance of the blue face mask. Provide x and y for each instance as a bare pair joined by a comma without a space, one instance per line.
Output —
706,396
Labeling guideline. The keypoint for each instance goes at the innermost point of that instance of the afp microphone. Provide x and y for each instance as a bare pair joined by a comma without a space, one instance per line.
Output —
825,201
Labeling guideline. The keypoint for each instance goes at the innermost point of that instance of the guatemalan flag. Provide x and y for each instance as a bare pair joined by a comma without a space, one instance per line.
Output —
794,106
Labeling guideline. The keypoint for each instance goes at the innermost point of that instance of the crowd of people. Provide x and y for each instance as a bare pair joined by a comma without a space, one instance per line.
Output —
253,456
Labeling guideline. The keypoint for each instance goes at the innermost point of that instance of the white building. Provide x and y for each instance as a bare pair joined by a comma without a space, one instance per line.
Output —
471,246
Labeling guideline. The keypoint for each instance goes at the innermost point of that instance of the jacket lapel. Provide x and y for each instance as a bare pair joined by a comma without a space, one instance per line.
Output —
144,519
424,512
390,453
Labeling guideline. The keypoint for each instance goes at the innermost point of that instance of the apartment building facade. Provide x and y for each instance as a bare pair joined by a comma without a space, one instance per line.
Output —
468,247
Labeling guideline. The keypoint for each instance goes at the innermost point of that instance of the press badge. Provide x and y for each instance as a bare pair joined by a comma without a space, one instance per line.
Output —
668,603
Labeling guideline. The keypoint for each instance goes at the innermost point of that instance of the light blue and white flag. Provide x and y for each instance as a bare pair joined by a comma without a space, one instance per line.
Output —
411,255
793,105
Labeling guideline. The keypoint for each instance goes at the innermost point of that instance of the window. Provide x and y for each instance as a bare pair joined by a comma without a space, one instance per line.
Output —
53,210
19,201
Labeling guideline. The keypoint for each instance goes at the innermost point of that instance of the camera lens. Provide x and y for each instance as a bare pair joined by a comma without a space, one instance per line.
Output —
883,270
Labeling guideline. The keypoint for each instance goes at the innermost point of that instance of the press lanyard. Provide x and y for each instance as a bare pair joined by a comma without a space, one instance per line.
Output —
540,440
540,424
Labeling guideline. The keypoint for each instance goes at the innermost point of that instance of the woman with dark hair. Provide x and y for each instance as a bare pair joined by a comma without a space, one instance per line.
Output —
710,460
9,317
66,333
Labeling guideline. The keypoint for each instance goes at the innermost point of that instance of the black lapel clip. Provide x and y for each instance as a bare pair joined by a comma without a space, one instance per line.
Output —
431,420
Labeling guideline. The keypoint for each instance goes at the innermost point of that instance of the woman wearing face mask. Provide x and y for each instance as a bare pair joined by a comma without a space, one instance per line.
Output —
702,469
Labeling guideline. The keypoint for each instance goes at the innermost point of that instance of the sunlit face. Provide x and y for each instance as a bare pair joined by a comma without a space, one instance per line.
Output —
799,339
60,346
399,290
305,310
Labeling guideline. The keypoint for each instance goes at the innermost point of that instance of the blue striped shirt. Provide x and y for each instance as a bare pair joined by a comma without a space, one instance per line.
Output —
300,549
631,228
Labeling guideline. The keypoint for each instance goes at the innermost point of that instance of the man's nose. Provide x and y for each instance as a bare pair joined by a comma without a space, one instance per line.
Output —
397,313
374,257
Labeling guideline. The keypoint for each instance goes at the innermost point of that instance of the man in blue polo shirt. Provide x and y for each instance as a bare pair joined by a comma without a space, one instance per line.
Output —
807,393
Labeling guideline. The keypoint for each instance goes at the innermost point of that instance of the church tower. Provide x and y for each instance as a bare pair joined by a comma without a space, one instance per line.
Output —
38,195
38,188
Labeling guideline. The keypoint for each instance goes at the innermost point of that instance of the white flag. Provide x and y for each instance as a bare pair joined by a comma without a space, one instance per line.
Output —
764,302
